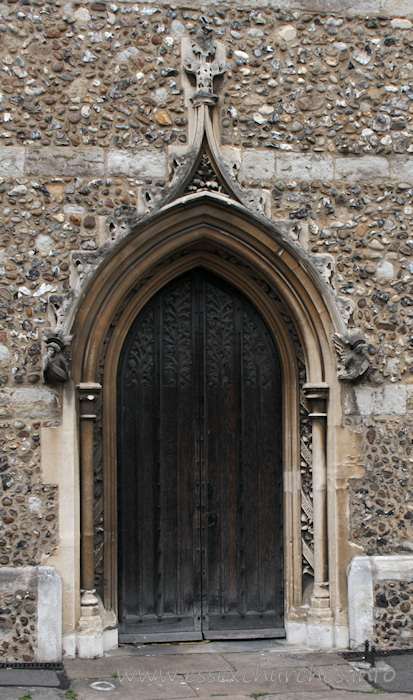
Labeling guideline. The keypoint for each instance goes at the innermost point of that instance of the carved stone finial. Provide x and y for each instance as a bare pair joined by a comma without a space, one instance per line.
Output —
203,66
351,350
55,366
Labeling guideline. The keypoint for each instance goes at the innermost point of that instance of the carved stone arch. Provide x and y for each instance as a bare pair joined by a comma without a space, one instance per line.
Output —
280,280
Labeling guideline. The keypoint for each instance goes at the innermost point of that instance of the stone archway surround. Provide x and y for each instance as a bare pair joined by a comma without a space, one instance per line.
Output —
207,231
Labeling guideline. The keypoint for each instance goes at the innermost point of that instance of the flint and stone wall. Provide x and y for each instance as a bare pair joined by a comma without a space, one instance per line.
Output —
315,115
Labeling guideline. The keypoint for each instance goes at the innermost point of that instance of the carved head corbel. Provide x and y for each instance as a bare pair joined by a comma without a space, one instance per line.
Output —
351,350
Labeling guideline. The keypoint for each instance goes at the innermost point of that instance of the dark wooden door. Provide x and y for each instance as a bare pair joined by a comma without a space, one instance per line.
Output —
200,477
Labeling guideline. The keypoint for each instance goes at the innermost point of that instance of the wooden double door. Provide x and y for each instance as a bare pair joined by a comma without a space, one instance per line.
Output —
200,469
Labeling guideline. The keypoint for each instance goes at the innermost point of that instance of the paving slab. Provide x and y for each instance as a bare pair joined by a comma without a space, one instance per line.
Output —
139,666
233,670
93,689
16,693
252,681
28,677
267,658
393,673
336,695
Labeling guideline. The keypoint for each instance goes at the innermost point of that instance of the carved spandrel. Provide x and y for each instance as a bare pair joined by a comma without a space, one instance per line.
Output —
205,178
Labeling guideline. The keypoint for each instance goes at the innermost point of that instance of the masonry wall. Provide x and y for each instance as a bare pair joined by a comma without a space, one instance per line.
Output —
315,116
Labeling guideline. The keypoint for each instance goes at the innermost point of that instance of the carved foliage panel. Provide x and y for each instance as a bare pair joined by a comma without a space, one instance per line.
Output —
219,350
177,356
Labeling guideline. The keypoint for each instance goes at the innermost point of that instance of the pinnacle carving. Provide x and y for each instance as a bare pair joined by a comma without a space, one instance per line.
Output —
203,66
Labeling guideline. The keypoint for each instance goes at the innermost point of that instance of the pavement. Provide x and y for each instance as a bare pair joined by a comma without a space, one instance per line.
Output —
267,669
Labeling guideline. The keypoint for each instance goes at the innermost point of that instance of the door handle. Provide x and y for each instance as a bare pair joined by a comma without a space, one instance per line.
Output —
209,518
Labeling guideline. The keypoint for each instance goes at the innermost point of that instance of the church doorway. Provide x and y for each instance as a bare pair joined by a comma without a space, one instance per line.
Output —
200,507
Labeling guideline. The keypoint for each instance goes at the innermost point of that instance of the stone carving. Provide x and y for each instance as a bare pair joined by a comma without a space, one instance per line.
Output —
346,308
55,366
56,302
351,350
205,178
83,263
203,66
306,469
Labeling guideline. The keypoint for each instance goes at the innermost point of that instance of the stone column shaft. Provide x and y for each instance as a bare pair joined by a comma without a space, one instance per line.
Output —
317,395
87,393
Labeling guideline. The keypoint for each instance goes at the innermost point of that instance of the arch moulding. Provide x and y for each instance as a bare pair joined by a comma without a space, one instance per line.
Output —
300,311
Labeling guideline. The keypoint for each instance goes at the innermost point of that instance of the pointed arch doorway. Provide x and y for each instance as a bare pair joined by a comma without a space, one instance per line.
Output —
294,304
200,511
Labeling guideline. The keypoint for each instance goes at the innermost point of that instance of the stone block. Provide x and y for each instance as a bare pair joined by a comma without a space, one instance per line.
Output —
232,158
385,270
44,607
259,200
386,400
397,8
147,162
362,572
401,23
17,577
320,636
11,161
257,165
49,615
61,161
304,167
401,168
360,601
4,353
364,168
110,639
90,646
69,645
348,6
29,404
391,567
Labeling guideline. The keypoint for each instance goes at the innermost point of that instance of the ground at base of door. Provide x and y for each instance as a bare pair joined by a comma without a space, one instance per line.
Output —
232,670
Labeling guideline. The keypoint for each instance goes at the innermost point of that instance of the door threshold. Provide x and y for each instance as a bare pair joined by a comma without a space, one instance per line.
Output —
235,635
198,637
208,646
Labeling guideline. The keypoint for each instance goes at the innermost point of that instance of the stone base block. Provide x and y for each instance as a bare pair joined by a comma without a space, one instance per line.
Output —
320,636
69,645
43,601
110,639
93,643
49,614
89,644
310,636
362,573
341,637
